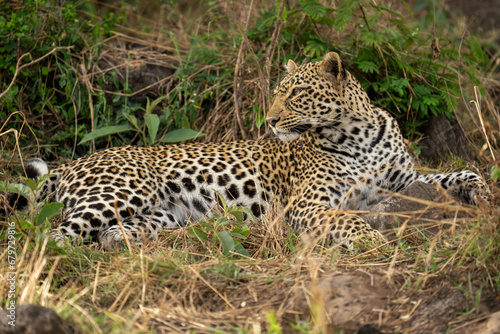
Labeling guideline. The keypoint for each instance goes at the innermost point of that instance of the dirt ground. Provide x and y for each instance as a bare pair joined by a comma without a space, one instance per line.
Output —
379,301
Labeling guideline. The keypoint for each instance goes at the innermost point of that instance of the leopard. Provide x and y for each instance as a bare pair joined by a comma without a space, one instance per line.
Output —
334,154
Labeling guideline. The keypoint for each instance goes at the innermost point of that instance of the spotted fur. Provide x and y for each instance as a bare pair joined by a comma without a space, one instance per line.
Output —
335,152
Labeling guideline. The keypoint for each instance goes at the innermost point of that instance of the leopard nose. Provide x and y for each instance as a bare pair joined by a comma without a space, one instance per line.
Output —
272,121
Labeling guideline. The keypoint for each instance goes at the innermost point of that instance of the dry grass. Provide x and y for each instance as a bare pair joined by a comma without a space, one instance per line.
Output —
178,283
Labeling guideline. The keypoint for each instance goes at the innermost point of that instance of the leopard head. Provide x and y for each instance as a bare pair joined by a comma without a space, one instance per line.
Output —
314,96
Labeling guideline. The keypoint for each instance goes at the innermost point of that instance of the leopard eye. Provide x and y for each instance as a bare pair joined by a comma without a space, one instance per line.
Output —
295,92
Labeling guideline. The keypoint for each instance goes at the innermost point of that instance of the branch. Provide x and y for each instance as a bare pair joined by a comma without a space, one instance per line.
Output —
239,73
19,68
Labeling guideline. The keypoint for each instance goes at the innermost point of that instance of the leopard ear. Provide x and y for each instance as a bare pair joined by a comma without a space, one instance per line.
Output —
332,65
290,66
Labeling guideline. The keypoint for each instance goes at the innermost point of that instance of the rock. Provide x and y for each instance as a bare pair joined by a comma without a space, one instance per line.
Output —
350,301
444,305
443,136
492,325
384,215
33,319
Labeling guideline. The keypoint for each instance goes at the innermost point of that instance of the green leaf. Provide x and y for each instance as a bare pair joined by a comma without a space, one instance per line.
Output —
243,230
421,90
368,67
274,326
49,211
430,100
477,50
152,123
29,182
237,214
105,131
41,180
284,15
238,211
15,188
152,105
196,232
237,235
315,48
221,200
207,226
399,85
313,8
133,120
181,135
221,222
260,118
387,9
26,224
372,38
451,103
227,242
241,250
495,173
345,12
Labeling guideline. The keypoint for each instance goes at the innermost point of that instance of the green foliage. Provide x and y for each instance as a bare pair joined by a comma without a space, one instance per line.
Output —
53,90
37,220
14,188
368,67
48,211
344,13
473,298
50,86
495,173
106,131
313,8
181,135
274,326
146,129
228,230
405,69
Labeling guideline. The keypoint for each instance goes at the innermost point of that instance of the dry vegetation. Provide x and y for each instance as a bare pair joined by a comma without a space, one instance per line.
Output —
177,283
447,281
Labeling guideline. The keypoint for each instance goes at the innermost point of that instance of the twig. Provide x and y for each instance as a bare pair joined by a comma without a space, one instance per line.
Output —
16,137
468,323
213,289
459,70
18,68
460,84
238,75
364,17
125,237
478,108
270,52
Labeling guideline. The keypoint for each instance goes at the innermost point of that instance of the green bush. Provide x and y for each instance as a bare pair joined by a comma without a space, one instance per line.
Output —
48,92
405,66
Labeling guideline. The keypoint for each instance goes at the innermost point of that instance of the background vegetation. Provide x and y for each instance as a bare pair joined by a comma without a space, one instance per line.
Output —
72,67
78,76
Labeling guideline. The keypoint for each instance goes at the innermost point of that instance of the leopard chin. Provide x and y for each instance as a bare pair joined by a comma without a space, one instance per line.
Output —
286,136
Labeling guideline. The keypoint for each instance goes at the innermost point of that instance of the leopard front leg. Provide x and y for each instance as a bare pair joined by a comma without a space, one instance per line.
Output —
466,184
343,227
136,229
